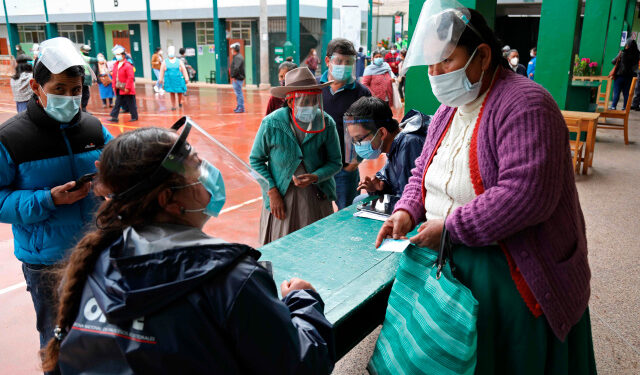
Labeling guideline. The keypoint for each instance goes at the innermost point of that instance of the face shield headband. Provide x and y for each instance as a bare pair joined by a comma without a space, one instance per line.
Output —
173,162
307,111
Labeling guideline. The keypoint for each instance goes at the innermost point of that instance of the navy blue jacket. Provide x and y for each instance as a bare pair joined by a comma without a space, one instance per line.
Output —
168,299
38,153
336,104
405,148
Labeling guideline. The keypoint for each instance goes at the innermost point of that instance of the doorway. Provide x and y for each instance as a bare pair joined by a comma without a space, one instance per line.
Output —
121,37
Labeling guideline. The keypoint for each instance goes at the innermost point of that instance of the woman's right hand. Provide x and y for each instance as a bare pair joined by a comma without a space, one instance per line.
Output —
277,204
295,283
397,226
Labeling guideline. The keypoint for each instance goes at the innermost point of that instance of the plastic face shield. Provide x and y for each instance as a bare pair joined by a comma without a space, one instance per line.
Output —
439,27
194,151
359,131
59,54
307,110
343,67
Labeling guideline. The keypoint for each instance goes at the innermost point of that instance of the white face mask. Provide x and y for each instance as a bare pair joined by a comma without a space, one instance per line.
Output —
514,61
454,89
532,54
306,114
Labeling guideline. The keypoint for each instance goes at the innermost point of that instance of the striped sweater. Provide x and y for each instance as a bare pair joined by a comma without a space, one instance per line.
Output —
520,158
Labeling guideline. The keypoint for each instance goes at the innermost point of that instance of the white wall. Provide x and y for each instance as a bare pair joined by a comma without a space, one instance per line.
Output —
146,54
170,34
4,33
24,7
70,6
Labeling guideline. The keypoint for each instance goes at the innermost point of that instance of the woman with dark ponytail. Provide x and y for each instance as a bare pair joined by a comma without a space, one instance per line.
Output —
149,292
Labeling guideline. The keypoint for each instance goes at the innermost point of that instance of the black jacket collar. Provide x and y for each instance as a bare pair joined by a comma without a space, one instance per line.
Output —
39,117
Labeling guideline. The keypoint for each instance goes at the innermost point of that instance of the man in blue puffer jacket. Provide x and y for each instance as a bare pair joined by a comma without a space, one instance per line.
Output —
43,151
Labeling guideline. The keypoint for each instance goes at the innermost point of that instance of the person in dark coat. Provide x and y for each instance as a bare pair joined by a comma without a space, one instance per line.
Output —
514,62
361,62
274,102
627,67
401,143
237,76
148,292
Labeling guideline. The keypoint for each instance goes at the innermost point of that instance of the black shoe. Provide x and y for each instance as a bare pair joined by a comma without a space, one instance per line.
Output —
113,120
635,108
133,119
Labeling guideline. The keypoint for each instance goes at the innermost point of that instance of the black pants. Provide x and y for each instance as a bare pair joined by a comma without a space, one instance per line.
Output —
636,95
86,94
401,87
127,101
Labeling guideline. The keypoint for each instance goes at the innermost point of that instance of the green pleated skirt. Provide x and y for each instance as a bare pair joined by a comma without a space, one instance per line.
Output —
510,339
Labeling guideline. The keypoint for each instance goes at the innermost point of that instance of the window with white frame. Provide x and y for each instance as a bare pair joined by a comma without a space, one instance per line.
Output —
75,33
204,33
240,29
31,33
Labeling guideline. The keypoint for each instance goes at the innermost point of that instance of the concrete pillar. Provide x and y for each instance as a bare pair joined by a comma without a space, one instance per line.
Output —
293,29
50,29
154,33
264,44
370,27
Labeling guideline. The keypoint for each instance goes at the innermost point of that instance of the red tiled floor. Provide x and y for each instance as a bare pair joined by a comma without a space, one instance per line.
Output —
212,109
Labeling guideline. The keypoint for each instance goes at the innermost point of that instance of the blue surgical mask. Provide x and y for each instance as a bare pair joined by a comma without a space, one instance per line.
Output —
366,150
454,89
62,108
119,57
306,114
171,55
341,72
378,61
211,180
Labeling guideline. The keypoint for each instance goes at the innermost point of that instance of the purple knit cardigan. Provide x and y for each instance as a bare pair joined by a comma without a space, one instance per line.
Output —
530,202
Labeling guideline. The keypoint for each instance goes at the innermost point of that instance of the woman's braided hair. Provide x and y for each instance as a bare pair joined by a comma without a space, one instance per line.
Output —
126,160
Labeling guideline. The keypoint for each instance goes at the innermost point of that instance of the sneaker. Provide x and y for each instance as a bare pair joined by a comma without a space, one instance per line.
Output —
133,119
156,89
239,110
161,91
180,105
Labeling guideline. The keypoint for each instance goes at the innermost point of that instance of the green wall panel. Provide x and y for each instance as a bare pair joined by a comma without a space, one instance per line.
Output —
189,41
135,39
594,29
486,7
556,39
206,61
614,32
248,65
108,36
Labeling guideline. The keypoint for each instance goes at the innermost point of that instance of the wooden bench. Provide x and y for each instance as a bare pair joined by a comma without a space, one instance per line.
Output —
589,123
337,256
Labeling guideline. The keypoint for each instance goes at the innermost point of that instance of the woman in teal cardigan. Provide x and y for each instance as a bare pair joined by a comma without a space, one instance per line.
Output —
297,151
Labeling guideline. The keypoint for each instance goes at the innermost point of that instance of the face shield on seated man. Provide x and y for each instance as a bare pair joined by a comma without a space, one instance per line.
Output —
361,138
216,183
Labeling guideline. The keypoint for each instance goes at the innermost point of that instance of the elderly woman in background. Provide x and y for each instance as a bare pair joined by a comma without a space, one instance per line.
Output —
378,78
275,102
104,82
297,151
20,82
495,171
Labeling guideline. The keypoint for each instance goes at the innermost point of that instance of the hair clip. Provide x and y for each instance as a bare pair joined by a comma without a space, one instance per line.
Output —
58,333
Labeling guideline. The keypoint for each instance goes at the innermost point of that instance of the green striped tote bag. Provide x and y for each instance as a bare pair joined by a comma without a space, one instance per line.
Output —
430,323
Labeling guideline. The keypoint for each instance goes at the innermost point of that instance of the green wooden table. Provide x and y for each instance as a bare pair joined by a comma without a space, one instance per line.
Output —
337,256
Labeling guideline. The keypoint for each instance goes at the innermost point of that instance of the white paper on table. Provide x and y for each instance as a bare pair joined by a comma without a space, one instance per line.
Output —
371,215
396,246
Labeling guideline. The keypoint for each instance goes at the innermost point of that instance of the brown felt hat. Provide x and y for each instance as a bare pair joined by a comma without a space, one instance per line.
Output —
299,79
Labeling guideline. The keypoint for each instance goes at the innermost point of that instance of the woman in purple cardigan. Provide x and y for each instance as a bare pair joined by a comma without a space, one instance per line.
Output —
495,170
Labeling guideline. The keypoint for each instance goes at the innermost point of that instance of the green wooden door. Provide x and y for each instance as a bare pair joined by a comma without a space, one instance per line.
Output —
136,48
189,41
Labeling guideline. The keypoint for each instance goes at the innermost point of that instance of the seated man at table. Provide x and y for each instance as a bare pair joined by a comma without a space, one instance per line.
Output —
371,130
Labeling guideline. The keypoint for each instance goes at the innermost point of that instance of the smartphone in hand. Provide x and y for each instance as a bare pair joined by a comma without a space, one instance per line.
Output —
83,180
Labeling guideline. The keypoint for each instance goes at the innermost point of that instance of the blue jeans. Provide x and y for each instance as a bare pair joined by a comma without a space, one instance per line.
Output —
21,106
156,72
40,283
237,88
621,84
346,187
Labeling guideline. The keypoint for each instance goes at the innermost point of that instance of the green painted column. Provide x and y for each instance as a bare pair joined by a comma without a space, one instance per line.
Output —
629,15
594,29
370,27
220,41
614,32
558,21
154,40
293,28
50,29
12,31
486,7
328,33
100,44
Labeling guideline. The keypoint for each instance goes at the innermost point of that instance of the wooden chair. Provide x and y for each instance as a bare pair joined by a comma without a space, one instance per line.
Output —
602,99
617,114
577,146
